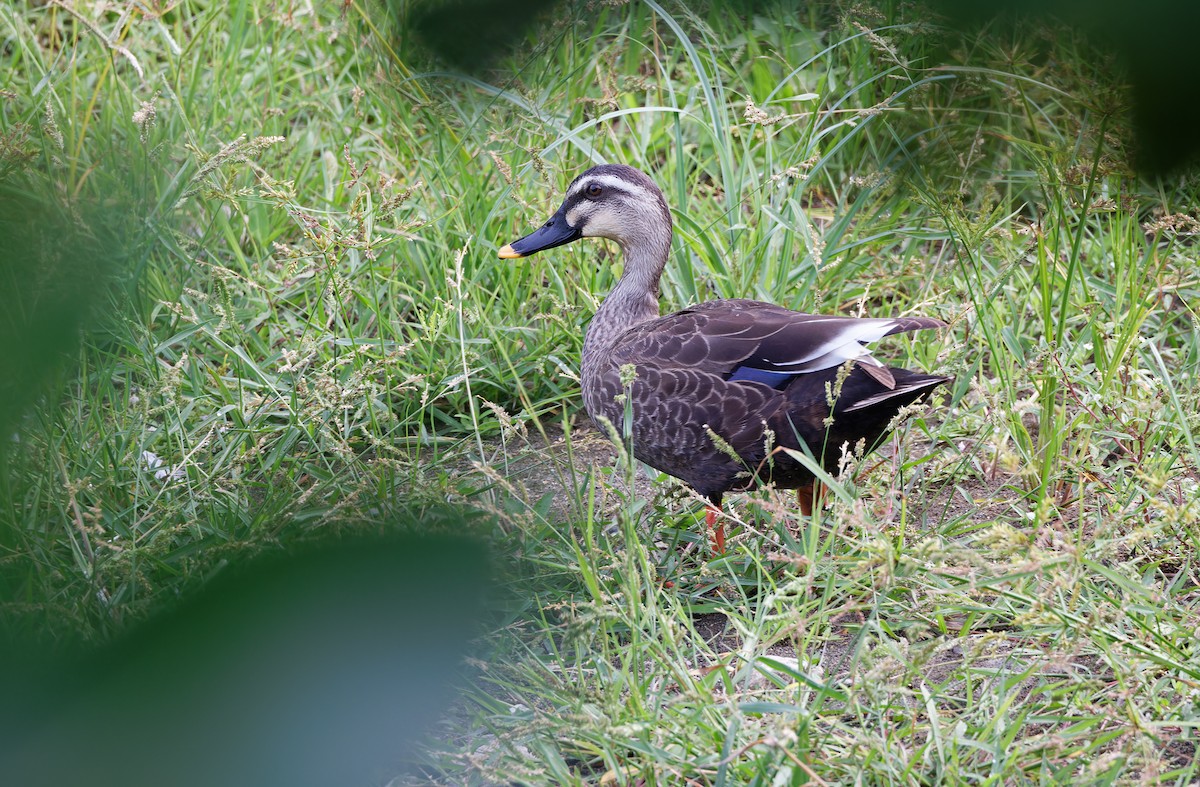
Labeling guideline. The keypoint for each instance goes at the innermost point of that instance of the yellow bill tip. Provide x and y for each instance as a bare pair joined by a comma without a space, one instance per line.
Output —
508,253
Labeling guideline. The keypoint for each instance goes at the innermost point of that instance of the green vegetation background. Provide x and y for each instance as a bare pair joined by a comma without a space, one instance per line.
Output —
251,297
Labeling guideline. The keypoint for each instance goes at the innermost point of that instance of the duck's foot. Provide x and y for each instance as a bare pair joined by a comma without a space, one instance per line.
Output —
808,496
714,522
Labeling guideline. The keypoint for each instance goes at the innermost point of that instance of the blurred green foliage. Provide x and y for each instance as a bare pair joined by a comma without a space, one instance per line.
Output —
318,666
58,260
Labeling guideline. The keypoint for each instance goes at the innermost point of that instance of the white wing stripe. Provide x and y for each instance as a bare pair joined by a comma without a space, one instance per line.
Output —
847,344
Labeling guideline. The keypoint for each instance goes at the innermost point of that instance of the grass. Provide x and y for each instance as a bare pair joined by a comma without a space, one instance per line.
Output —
314,332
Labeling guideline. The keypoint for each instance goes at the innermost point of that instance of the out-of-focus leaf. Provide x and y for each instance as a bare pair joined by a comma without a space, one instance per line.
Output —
57,259
321,667
1154,40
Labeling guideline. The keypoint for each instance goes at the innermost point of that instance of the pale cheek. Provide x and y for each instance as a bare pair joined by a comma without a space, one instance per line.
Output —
602,226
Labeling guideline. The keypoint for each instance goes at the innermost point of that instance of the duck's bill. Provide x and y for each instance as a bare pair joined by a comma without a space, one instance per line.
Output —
554,232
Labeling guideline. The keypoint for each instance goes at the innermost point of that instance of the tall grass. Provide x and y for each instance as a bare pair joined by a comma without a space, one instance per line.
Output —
317,332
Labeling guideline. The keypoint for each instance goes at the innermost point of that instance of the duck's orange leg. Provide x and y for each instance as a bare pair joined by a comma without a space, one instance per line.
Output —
712,518
808,496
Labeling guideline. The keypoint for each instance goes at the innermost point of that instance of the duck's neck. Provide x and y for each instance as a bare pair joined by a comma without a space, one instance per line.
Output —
633,301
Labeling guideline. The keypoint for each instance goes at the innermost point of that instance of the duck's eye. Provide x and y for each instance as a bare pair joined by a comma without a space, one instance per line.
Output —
594,190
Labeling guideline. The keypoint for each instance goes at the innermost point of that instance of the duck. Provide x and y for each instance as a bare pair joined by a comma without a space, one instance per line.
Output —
724,394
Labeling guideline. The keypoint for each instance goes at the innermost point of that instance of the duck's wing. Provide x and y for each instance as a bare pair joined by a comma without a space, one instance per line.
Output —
752,341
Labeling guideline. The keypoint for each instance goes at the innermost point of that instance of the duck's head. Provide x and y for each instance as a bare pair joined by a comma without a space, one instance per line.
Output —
608,201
